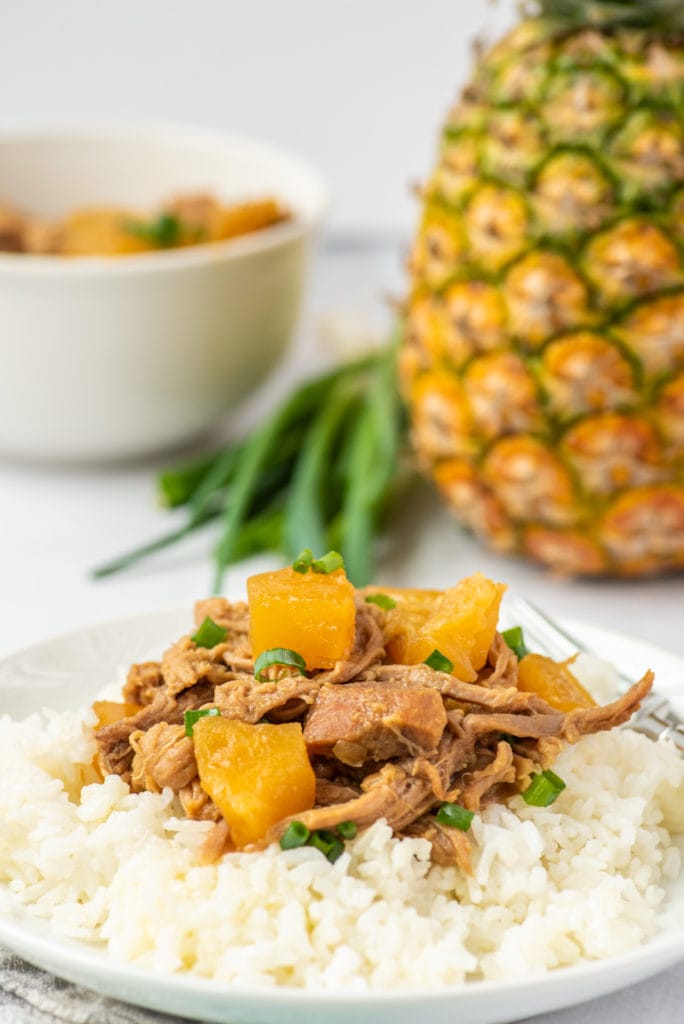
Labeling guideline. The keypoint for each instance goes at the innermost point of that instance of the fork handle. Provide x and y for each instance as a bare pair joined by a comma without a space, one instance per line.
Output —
656,718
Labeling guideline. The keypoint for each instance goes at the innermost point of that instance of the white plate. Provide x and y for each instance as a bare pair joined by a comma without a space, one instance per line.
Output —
68,671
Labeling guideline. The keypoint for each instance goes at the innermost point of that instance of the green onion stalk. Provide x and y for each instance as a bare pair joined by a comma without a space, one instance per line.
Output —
319,472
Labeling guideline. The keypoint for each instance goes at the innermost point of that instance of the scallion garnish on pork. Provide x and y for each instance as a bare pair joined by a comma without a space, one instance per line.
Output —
382,600
544,789
439,662
515,639
455,816
281,657
191,717
295,835
210,634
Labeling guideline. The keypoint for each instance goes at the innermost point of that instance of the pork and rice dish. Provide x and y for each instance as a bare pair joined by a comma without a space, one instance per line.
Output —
387,741
325,787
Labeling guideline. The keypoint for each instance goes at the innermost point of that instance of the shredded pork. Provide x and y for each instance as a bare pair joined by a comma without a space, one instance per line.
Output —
386,741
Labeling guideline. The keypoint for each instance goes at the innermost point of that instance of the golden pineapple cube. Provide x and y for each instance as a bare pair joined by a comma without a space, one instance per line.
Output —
255,774
311,613
461,627
245,217
412,608
101,232
110,711
553,682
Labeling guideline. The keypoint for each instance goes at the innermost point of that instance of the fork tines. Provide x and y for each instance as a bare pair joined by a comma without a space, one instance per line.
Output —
656,718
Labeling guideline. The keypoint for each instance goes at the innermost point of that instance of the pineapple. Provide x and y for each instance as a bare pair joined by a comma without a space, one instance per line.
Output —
543,361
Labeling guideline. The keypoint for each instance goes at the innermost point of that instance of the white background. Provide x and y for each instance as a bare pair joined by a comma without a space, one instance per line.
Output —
358,86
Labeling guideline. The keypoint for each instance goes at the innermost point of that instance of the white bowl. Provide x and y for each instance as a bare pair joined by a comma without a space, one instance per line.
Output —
105,358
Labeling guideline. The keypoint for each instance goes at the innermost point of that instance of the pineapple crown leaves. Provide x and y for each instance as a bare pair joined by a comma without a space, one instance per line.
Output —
658,16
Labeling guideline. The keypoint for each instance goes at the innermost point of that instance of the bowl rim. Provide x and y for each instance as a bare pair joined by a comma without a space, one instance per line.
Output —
302,224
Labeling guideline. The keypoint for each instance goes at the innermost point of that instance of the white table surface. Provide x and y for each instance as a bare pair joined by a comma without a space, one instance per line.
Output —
56,523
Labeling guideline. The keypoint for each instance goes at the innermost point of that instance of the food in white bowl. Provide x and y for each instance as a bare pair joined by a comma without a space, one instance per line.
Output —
196,219
107,359
497,837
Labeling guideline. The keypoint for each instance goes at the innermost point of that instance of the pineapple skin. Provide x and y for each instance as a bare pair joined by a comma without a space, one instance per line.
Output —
543,354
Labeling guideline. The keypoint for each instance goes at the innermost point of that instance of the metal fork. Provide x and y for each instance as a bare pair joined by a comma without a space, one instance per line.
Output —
655,718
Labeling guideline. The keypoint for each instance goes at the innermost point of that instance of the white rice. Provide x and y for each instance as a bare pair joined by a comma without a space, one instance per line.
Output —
580,880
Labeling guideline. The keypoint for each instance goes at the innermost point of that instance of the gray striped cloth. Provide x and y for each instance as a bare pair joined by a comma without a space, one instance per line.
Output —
30,996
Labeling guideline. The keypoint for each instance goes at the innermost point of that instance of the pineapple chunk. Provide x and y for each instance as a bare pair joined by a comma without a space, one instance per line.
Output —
109,711
553,682
101,232
255,774
245,217
413,608
311,613
461,626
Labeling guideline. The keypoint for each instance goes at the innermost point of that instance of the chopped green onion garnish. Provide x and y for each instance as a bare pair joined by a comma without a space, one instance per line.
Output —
322,840
209,634
329,845
335,851
163,232
190,717
515,640
382,601
439,662
543,789
455,816
278,656
302,562
328,563
296,834
347,829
